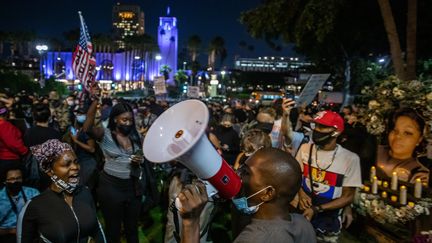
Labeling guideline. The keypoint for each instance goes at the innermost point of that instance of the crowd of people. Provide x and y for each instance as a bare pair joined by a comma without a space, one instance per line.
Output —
300,169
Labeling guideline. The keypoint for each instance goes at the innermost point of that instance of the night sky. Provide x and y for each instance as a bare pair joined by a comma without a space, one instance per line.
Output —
207,18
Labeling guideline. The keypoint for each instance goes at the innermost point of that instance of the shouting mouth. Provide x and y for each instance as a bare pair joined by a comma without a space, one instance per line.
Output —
74,179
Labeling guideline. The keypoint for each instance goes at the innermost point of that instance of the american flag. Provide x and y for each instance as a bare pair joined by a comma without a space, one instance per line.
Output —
83,62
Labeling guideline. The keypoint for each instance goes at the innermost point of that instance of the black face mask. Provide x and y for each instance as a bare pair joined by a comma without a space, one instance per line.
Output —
264,126
125,129
321,138
14,188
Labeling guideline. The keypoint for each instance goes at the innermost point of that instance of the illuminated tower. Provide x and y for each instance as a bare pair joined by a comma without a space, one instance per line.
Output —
167,40
128,20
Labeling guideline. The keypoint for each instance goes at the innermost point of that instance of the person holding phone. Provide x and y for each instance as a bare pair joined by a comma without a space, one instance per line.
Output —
119,189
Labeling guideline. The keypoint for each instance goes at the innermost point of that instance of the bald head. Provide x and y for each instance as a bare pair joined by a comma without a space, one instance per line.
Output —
278,169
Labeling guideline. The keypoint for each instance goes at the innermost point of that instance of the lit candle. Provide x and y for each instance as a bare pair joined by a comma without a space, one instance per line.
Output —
375,185
372,173
411,204
417,188
385,184
366,189
379,182
394,181
384,194
403,195
393,198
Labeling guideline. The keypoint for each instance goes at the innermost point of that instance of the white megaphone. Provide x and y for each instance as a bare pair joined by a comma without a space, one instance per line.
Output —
179,134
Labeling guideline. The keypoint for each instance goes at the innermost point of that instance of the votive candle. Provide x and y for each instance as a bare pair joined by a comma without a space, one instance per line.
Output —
403,195
394,181
375,185
417,188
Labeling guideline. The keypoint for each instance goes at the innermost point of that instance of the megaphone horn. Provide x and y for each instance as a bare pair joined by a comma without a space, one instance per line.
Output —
179,134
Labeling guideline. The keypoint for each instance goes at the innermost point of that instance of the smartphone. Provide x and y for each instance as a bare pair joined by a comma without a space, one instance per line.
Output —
289,94
73,131
139,152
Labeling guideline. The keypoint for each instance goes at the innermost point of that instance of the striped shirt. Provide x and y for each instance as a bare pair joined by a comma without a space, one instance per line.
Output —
117,160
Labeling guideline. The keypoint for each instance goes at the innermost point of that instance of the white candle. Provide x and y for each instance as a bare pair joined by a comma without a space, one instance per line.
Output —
403,195
372,173
375,185
394,181
418,188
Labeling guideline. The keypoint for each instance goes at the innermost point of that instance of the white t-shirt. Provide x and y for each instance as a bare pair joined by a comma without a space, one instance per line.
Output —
329,176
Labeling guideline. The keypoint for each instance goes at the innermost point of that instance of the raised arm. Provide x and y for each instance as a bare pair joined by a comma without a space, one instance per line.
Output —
88,126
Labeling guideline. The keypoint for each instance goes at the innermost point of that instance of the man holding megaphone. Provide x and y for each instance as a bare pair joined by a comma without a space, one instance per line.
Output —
271,178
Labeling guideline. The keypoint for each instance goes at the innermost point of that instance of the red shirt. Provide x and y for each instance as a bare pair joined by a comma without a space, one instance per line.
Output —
11,144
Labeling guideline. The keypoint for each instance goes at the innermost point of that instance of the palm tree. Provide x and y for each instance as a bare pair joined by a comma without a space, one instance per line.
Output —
165,70
393,38
193,46
411,40
217,48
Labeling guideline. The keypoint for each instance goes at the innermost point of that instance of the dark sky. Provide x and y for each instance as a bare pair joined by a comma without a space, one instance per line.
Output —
207,18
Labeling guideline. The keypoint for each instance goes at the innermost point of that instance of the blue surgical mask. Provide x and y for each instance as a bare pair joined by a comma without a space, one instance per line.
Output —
81,118
242,205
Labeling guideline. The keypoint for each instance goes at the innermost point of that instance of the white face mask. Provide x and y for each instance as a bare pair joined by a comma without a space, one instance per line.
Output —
70,102
64,186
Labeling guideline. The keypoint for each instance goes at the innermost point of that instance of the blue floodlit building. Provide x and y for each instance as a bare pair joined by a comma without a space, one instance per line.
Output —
124,70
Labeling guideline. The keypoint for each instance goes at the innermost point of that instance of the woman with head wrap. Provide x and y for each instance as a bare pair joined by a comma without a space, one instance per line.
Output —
65,212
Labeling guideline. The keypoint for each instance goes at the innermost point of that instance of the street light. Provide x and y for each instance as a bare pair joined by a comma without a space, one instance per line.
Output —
158,57
184,65
41,50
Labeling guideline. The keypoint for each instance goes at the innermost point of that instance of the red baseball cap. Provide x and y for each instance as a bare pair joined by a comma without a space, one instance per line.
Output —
330,119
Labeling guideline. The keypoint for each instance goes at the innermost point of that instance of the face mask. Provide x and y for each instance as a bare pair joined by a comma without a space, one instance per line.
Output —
264,126
135,111
321,138
77,102
70,102
125,129
114,103
242,205
14,188
64,186
81,118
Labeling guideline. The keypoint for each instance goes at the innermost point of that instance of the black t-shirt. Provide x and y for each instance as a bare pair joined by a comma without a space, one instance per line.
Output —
49,216
38,135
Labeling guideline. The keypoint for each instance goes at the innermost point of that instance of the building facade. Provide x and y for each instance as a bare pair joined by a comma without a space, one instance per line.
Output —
168,43
124,70
128,20
271,64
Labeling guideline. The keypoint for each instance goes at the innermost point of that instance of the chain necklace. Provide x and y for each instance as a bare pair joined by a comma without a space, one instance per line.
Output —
316,160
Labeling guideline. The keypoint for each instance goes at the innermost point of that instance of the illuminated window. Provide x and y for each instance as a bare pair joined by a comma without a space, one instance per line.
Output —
126,15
